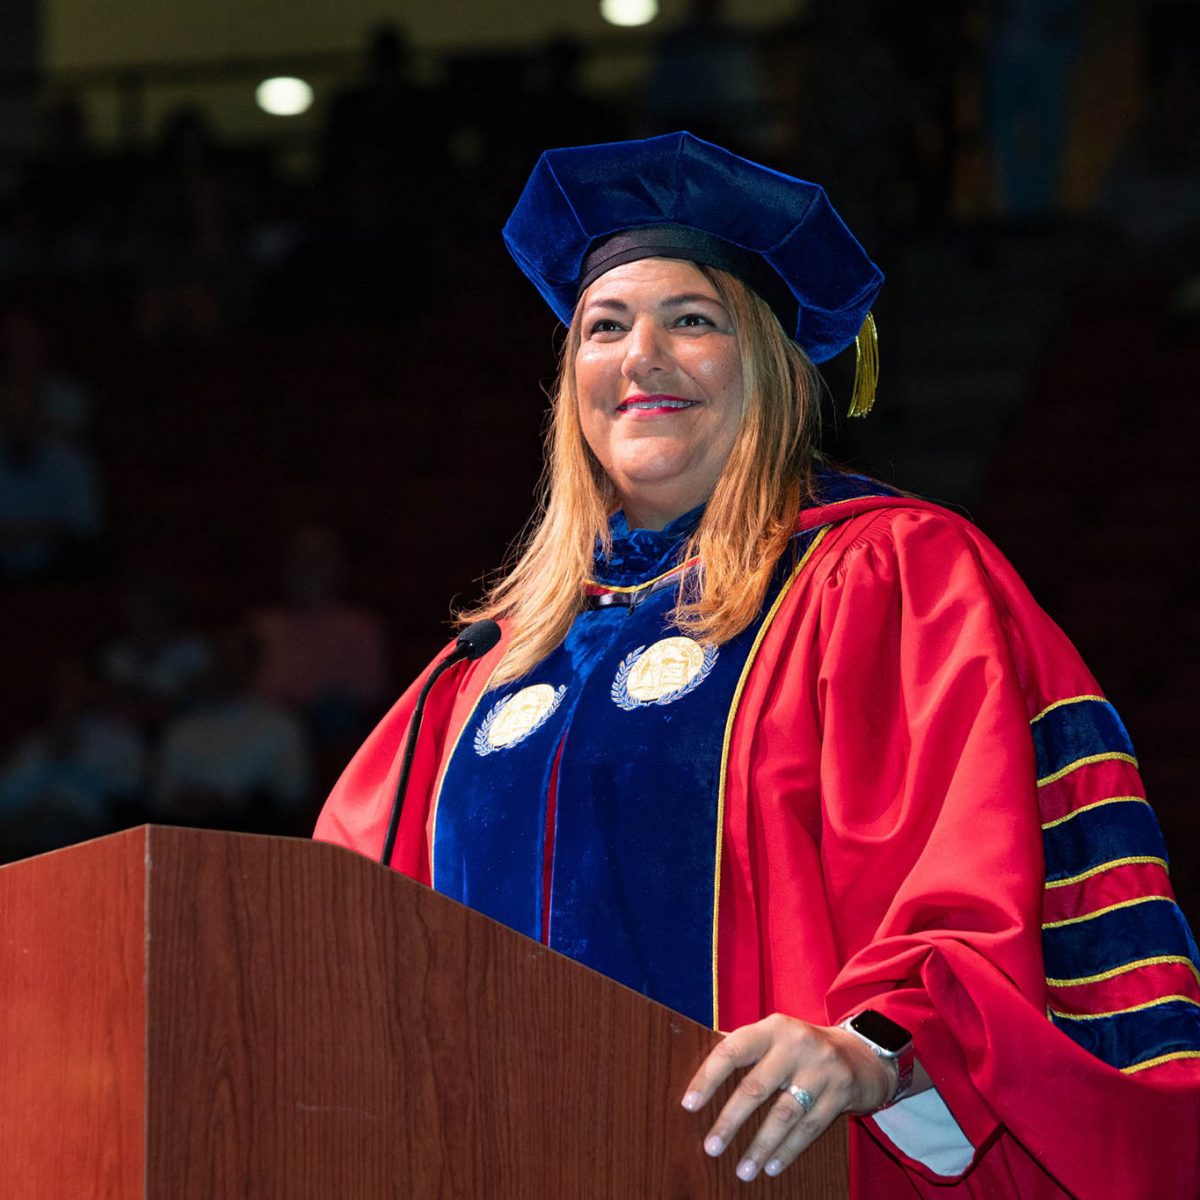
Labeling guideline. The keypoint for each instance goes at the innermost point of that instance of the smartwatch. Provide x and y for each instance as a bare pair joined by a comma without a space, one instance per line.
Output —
889,1041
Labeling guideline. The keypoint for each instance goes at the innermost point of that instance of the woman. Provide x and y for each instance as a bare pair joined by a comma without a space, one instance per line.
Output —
789,752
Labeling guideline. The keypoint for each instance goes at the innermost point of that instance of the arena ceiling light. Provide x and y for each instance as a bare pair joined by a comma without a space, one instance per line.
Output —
629,12
284,96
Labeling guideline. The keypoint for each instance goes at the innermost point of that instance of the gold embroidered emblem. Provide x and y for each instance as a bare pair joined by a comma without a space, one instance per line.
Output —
513,718
664,672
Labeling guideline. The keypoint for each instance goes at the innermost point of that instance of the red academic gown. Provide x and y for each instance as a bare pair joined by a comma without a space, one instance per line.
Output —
882,847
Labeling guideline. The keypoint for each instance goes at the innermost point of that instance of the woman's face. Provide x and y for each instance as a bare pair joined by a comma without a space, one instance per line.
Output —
659,379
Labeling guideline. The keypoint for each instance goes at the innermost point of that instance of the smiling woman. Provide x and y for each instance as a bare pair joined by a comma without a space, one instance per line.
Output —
658,373
787,751
751,487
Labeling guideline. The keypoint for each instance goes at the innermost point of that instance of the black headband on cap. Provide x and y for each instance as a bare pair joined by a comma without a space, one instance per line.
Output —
693,245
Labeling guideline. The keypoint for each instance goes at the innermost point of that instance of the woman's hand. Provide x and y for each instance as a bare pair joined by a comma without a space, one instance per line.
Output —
834,1071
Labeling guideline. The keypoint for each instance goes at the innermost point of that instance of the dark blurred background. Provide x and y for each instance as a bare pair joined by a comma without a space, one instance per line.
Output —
270,391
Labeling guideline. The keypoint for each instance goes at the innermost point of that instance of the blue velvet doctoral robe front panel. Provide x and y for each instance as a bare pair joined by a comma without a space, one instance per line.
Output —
625,725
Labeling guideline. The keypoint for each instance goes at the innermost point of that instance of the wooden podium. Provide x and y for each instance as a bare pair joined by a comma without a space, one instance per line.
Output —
191,1014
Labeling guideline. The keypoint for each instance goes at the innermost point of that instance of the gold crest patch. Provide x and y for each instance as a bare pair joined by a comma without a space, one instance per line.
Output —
514,718
662,673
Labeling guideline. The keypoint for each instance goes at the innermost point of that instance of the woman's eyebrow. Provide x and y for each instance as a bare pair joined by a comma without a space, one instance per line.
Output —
669,302
689,298
617,305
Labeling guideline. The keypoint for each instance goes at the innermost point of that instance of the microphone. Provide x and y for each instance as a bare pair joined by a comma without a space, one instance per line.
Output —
474,642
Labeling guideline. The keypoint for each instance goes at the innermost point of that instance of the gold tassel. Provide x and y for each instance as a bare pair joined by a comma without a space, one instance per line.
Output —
866,368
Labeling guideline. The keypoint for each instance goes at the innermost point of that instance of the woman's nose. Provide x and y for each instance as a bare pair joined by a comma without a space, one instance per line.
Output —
645,351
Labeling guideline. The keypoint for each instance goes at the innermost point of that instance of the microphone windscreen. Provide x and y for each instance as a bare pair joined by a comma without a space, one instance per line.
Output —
476,640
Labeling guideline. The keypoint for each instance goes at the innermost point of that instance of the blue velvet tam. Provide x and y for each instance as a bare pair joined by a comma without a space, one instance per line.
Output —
587,209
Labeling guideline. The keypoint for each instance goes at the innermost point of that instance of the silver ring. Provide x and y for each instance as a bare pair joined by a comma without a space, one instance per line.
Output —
802,1097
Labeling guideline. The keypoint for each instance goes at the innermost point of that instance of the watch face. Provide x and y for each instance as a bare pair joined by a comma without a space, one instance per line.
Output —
886,1034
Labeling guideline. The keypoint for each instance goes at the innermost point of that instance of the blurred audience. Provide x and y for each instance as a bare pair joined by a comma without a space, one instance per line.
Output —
384,174
50,515
235,760
854,128
706,78
933,48
1032,47
387,126
185,234
59,208
153,665
563,112
64,781
64,402
323,656
1152,194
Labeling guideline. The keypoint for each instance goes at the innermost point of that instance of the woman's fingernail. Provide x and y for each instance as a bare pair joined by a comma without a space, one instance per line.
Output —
773,1167
747,1169
713,1146
692,1101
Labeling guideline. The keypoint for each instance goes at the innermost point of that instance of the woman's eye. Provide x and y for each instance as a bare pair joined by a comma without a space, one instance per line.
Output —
604,325
693,320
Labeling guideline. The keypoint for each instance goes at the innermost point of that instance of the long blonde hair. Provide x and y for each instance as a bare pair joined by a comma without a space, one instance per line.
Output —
745,526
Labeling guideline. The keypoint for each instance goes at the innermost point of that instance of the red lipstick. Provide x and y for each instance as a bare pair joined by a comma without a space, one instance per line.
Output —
655,405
